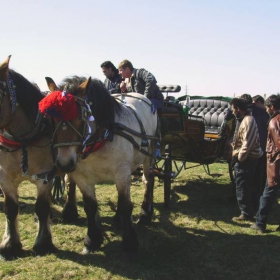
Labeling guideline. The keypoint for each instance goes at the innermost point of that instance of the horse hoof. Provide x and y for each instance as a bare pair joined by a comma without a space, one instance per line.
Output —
44,250
85,251
144,220
9,252
70,213
94,243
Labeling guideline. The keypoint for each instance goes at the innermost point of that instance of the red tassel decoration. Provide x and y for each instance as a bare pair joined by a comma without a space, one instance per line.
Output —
59,105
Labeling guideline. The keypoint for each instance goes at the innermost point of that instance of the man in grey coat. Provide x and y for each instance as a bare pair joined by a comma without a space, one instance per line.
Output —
141,81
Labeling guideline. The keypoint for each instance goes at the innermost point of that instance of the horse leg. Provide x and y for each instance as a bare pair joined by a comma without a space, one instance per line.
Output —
117,222
70,211
124,210
43,243
10,245
94,237
129,240
147,204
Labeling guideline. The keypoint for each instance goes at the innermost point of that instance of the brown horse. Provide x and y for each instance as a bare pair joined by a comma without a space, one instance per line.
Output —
25,154
86,117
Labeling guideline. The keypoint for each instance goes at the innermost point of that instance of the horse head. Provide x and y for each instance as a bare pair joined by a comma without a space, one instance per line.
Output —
68,107
18,103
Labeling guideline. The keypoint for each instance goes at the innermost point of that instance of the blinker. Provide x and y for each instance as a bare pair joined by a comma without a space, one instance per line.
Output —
84,114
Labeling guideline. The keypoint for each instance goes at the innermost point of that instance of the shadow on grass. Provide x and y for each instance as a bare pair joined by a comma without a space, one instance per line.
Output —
188,254
207,199
174,249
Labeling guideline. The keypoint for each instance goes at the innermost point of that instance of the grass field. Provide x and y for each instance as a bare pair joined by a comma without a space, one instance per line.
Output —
194,239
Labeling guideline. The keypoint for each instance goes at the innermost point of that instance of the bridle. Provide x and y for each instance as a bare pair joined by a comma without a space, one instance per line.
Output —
8,90
3,92
85,114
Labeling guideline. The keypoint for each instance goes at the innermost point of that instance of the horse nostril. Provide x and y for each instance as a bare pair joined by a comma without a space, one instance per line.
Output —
69,167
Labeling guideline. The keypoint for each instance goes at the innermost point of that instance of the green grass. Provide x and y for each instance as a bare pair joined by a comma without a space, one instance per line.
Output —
194,239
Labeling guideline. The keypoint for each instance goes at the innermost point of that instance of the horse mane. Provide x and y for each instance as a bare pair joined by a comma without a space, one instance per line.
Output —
102,104
28,95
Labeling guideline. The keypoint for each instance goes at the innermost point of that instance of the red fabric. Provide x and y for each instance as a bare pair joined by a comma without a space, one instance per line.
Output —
8,142
97,146
59,105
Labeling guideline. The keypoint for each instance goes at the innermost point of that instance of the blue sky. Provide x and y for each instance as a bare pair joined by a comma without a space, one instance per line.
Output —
214,47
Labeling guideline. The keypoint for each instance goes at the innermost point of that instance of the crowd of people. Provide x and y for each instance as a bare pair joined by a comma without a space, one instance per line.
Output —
256,157
255,146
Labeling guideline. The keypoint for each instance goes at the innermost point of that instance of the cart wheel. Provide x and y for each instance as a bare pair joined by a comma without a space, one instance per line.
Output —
179,166
58,188
167,175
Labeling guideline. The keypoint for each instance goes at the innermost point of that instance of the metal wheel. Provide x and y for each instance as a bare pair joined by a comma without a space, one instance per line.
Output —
58,188
177,166
167,175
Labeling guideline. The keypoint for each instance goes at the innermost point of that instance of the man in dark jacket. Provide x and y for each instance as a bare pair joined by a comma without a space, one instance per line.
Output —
273,164
141,81
259,101
113,78
261,117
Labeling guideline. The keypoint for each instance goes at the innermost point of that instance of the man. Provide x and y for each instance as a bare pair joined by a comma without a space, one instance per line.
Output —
141,81
245,154
261,117
259,101
113,78
273,164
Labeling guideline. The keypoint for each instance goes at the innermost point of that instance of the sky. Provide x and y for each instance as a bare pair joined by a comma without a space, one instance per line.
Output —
208,47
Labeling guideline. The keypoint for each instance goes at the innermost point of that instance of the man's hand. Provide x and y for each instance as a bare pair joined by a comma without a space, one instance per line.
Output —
235,154
123,86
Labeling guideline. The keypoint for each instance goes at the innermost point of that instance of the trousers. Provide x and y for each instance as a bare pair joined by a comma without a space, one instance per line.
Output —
244,174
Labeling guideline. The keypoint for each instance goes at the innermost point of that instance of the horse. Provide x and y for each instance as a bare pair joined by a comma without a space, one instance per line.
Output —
25,154
101,137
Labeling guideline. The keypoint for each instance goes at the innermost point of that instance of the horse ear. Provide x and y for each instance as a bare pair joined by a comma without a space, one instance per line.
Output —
51,84
4,69
83,87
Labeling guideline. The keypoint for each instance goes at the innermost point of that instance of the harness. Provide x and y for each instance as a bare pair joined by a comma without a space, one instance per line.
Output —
93,142
120,129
